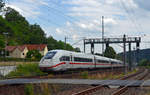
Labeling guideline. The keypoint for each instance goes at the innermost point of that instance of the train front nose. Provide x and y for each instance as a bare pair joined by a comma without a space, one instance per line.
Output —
46,62
46,65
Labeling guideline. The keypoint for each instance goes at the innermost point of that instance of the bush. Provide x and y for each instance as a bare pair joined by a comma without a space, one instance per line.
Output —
144,62
34,54
18,59
27,70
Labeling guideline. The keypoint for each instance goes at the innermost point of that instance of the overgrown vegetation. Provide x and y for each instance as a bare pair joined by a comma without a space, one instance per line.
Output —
29,89
84,75
104,75
2,59
144,62
26,70
45,89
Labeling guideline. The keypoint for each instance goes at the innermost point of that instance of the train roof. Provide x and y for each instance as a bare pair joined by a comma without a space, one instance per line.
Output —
87,54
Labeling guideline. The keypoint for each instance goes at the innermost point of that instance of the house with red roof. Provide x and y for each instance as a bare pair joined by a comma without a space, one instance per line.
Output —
22,50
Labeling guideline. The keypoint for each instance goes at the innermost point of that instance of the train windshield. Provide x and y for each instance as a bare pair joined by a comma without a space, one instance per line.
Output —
50,55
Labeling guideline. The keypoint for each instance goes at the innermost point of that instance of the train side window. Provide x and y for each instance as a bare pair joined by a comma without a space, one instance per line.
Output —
64,58
78,59
71,58
102,61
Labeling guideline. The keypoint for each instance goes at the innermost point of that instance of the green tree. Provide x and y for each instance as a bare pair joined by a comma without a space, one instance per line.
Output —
5,27
110,52
144,62
1,5
2,43
20,24
51,43
34,54
25,33
37,35
21,32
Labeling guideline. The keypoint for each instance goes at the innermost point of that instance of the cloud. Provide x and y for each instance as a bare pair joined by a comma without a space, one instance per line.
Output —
28,8
58,31
68,23
110,21
143,4
14,7
75,37
90,3
36,2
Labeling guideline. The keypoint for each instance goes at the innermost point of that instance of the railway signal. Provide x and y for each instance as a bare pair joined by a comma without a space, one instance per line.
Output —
124,41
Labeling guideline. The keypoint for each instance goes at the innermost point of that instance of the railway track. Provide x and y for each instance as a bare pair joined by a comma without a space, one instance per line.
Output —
123,89
119,91
72,74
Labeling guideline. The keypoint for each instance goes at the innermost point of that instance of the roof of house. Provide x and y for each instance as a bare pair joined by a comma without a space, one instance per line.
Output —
10,48
29,47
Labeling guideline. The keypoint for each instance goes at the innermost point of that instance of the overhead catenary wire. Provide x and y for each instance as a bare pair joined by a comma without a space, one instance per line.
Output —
136,19
58,12
52,2
129,15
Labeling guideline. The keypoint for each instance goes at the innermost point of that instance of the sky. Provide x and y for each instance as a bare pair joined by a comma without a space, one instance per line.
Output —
78,19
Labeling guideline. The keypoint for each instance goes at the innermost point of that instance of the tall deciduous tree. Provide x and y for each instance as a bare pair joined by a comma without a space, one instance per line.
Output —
20,24
2,43
37,35
110,52
21,32
1,4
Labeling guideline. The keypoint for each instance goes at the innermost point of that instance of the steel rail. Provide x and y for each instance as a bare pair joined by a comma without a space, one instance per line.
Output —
94,89
124,89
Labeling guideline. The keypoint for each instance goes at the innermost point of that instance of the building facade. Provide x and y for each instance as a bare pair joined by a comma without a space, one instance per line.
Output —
21,51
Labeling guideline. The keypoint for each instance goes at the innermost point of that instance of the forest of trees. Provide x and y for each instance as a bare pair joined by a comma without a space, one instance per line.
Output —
20,31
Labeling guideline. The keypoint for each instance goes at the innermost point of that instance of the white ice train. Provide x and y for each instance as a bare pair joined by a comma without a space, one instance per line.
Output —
60,60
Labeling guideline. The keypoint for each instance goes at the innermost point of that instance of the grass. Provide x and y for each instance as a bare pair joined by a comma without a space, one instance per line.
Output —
104,76
84,75
148,93
14,63
45,89
26,70
29,89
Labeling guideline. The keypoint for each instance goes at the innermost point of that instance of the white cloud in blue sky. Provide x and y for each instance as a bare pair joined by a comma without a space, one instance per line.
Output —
82,18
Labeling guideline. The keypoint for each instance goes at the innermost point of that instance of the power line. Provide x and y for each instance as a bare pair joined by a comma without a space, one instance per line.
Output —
135,16
58,12
130,17
61,14
52,2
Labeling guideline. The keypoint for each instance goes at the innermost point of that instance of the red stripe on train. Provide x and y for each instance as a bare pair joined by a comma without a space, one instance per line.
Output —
76,64
57,65
89,64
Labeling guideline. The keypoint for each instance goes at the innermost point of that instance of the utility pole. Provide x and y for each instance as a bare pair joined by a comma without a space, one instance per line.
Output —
5,33
65,43
103,35
124,53
134,59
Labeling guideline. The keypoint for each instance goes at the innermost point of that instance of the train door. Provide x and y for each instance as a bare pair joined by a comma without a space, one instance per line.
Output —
111,63
71,61
68,61
94,62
